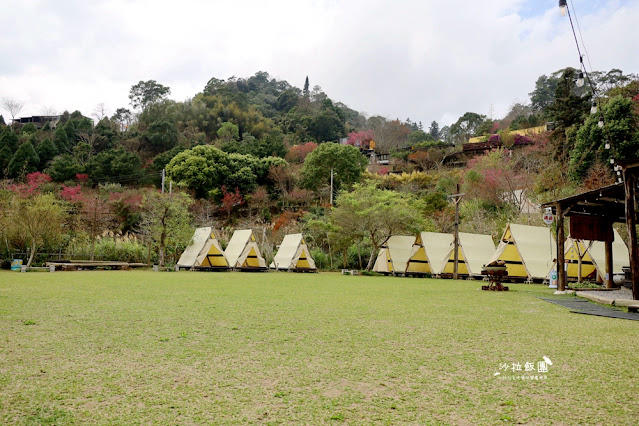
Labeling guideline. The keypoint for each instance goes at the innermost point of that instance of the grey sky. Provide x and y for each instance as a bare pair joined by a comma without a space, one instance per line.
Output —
427,60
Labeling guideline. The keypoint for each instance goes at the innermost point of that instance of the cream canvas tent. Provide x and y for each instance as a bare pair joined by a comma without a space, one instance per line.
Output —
242,251
203,252
529,251
394,254
293,255
475,250
594,257
429,253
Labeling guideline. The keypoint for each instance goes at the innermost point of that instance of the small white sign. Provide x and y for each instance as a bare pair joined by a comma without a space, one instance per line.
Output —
548,217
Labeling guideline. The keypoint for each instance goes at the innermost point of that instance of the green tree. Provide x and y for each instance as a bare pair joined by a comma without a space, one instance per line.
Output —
346,161
161,135
60,139
147,92
466,127
569,107
567,110
46,150
306,88
64,167
228,132
205,169
377,214
114,165
418,137
621,129
287,100
433,130
5,158
9,139
166,220
24,161
328,125
37,220
123,117
544,94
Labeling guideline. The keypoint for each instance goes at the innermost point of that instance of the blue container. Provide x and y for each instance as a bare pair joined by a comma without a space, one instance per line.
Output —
16,265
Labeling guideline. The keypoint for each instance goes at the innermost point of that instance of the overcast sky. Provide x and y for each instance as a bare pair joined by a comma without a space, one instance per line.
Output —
427,60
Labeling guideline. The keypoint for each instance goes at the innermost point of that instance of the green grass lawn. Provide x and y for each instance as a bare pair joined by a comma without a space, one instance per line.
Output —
145,347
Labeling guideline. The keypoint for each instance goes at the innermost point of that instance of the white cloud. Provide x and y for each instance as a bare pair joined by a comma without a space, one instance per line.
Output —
424,60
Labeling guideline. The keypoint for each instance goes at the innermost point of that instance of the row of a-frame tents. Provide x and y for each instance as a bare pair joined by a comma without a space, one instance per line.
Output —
242,253
433,253
529,253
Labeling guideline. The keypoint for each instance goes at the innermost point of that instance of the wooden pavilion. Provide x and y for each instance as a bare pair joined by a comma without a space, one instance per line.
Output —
591,216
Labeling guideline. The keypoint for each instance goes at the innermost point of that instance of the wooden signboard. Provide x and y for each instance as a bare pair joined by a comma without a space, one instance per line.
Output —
592,228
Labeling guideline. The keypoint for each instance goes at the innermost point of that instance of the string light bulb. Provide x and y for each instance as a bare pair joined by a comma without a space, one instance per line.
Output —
607,146
563,5
580,79
601,122
593,108
612,161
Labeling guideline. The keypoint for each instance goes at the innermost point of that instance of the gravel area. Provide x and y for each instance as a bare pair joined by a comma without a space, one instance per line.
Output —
623,293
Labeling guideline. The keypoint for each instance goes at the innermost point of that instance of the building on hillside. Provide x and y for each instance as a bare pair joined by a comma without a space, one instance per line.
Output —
39,120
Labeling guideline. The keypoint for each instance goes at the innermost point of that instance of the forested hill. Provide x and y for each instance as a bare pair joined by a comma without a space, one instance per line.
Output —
263,117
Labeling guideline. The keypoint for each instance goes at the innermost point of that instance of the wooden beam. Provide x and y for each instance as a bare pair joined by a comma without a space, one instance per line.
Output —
629,184
561,241
609,271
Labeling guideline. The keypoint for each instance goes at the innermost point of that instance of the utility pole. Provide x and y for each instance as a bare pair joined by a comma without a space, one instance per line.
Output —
456,199
163,178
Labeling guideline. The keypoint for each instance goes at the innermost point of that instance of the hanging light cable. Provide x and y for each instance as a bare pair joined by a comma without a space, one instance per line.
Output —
583,76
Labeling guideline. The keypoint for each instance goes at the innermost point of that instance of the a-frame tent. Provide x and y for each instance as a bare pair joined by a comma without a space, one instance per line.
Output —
475,250
529,251
204,252
429,253
594,258
393,254
243,253
294,255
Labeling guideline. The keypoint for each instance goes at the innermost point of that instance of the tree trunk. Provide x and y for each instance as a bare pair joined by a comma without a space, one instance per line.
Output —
93,246
161,250
33,251
148,254
370,260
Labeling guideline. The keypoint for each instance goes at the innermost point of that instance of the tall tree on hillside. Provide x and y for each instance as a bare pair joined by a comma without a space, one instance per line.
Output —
544,93
147,92
621,129
466,127
434,130
345,161
123,117
306,91
24,161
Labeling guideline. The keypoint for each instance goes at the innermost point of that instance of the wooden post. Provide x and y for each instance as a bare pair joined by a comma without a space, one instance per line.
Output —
609,264
456,199
561,241
629,185
456,245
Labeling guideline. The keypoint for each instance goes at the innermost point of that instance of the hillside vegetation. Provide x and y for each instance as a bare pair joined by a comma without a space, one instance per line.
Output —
259,152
